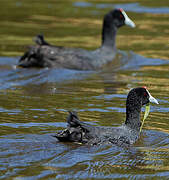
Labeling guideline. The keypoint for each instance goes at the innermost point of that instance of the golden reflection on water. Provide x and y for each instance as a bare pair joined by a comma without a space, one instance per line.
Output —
149,38
158,128
154,167
75,21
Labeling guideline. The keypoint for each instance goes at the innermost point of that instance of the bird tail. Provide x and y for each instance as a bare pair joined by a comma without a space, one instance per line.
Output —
39,40
75,132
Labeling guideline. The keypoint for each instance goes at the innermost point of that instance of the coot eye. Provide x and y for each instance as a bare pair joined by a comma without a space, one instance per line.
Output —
145,94
121,16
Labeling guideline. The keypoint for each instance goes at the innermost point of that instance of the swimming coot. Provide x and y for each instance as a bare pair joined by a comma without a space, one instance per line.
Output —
126,134
45,55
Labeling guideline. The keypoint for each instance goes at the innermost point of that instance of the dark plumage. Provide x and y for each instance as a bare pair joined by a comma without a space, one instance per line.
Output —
126,134
45,55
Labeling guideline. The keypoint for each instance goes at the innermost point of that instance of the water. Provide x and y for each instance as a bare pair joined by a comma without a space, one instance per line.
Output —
34,102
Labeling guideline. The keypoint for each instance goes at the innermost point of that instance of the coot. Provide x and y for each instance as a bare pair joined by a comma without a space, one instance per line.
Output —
45,55
126,134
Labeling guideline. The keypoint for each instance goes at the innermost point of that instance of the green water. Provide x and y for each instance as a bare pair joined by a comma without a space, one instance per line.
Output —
34,102
79,25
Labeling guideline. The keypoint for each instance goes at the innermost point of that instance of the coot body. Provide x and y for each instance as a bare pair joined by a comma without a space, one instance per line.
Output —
126,134
45,55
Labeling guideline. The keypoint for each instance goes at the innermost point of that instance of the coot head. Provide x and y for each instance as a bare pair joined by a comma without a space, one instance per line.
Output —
141,95
112,21
136,98
118,18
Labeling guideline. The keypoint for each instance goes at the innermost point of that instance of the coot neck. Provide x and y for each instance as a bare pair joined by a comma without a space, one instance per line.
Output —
133,110
109,31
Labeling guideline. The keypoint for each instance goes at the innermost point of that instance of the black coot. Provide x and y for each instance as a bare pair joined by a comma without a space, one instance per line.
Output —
126,134
45,55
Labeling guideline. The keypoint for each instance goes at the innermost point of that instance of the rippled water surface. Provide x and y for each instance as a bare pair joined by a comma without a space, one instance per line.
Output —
34,102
